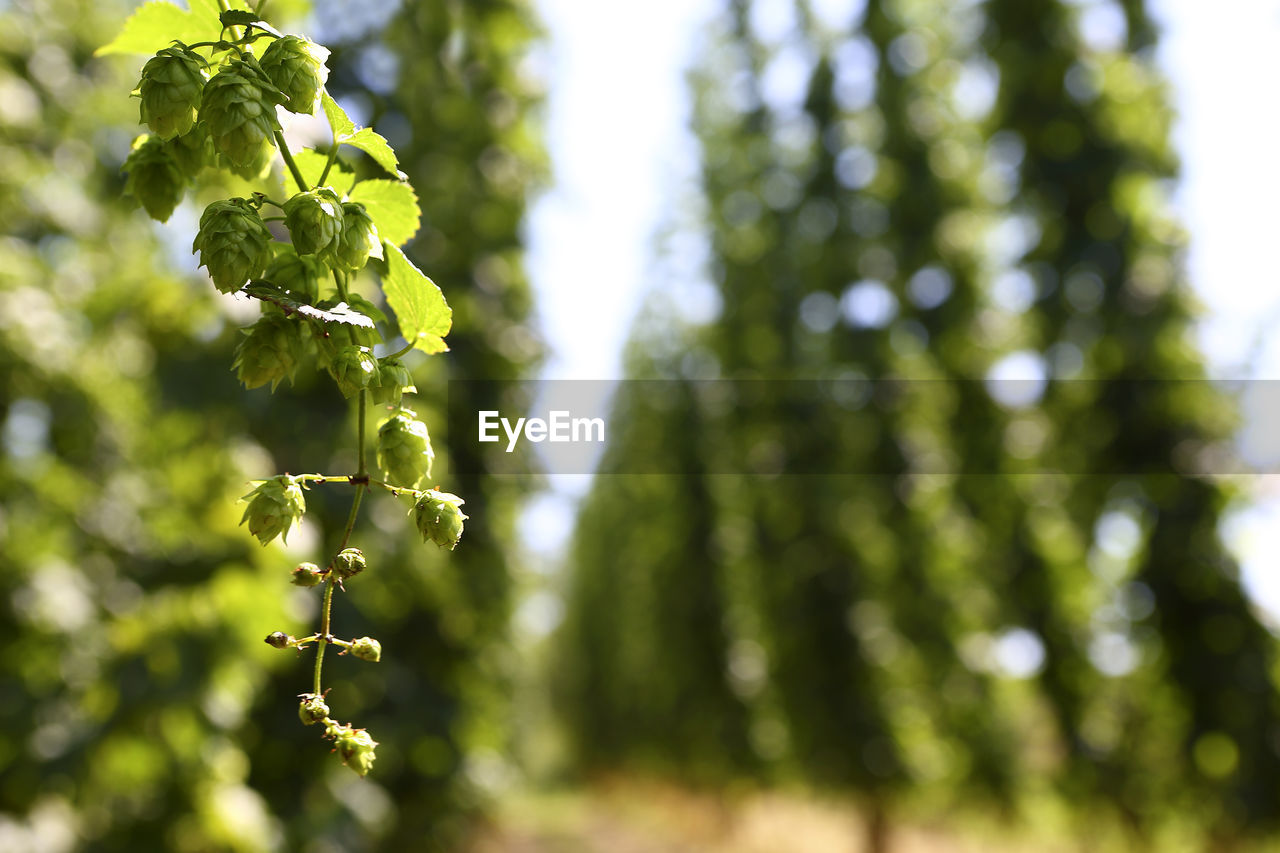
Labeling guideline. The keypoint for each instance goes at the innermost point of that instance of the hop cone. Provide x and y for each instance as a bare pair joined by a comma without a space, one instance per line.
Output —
233,242
314,220
155,178
295,66
358,238
354,369
404,449
274,507
171,84
439,518
238,112
367,648
300,275
356,746
269,352
192,151
393,379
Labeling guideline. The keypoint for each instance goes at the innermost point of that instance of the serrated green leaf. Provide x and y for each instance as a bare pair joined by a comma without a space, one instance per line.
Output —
311,164
345,132
157,24
393,206
377,148
423,315
342,126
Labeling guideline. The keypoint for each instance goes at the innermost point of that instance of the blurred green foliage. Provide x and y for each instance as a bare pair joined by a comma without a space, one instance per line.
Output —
139,706
953,185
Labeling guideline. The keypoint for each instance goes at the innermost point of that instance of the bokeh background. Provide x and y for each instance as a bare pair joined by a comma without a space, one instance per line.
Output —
945,191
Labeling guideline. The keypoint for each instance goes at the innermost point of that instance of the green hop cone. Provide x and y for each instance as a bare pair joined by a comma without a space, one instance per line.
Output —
393,381
155,179
353,368
312,709
367,648
356,746
358,240
295,66
306,575
275,506
239,113
233,242
170,89
404,450
348,563
439,518
314,220
191,151
269,352
301,275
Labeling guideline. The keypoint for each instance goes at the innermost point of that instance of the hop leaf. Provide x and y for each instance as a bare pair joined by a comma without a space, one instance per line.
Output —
233,242
349,563
312,709
295,66
354,369
155,178
404,449
393,381
300,275
269,352
238,112
314,220
170,89
367,648
439,518
358,239
275,506
356,746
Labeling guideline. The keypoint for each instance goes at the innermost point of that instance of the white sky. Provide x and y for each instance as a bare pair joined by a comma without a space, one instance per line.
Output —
616,130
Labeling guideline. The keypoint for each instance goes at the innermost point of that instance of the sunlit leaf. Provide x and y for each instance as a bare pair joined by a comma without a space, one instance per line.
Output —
156,25
340,313
423,315
393,206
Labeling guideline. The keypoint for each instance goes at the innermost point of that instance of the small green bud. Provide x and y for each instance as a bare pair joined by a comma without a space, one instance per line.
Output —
275,506
295,66
307,575
155,178
353,368
301,275
233,242
356,747
367,648
348,563
170,89
393,381
279,640
238,111
358,239
269,352
439,518
312,709
404,449
314,220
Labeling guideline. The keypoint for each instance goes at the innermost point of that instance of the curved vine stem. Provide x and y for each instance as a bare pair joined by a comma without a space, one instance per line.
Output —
289,161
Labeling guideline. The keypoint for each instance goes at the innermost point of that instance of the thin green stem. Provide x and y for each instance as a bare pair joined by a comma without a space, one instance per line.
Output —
328,164
341,281
361,478
400,351
288,161
326,609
